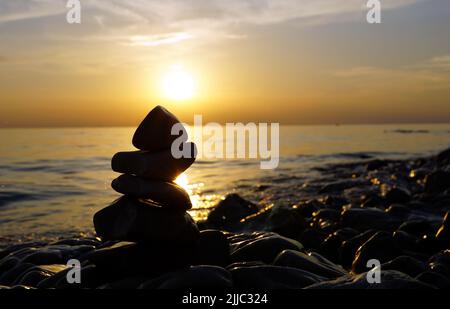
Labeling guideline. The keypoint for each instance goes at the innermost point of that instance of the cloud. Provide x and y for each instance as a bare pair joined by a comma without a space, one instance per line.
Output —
115,25
19,10
189,15
432,73
161,39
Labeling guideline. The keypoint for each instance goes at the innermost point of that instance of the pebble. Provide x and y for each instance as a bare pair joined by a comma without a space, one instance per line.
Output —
443,157
195,277
390,279
139,220
45,257
128,283
125,259
229,211
153,165
264,248
312,238
350,246
272,277
397,195
407,241
312,262
435,279
8,277
363,219
32,278
405,264
212,248
416,227
437,182
282,220
440,262
166,194
155,131
380,246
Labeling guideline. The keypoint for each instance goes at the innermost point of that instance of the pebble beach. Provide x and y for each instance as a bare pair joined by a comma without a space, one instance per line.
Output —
393,211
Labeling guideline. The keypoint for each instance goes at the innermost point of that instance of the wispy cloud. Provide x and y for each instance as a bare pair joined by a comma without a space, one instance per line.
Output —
432,73
19,10
161,39
188,15
115,25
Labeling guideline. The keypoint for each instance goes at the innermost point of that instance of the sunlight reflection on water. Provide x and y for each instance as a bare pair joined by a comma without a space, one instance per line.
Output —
54,180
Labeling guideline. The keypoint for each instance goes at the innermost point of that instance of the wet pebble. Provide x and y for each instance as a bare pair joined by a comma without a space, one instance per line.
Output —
380,246
389,279
312,262
272,277
264,248
200,277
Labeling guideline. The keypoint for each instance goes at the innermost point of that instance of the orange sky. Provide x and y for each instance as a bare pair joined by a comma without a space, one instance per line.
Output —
284,61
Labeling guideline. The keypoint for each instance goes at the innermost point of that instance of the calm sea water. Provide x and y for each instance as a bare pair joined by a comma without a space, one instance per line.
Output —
52,181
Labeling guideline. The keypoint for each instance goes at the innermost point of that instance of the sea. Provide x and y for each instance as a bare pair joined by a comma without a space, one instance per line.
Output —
53,180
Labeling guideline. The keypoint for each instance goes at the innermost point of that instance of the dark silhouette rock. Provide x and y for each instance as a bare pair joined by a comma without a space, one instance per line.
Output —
155,131
437,182
397,195
195,277
398,210
380,246
406,265
444,157
167,194
435,279
406,241
311,262
306,209
128,259
229,211
330,247
376,164
153,165
416,227
440,262
312,238
212,248
285,221
390,279
263,248
139,220
363,219
272,277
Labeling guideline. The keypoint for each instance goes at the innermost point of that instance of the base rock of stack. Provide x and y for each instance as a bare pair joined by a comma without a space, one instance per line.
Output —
138,220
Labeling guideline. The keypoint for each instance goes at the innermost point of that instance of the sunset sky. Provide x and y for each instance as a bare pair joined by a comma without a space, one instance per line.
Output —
288,61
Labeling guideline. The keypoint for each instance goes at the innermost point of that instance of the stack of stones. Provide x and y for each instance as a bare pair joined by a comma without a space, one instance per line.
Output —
152,211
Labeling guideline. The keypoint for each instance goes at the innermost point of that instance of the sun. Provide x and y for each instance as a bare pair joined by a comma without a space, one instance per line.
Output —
178,84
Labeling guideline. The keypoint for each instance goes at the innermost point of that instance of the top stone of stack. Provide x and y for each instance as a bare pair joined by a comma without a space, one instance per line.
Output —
155,131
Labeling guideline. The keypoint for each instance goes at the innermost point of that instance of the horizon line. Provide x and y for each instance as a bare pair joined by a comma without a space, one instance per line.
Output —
222,123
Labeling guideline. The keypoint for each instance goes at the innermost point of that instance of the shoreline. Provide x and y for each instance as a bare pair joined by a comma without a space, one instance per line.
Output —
389,210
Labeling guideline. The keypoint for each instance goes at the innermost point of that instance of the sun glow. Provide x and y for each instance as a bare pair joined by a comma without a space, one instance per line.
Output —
178,84
183,181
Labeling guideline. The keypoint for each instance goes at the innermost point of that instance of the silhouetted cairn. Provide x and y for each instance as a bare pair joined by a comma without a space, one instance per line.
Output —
153,208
